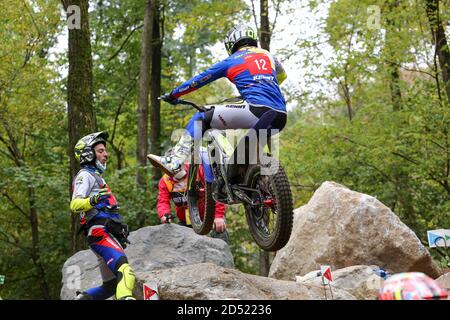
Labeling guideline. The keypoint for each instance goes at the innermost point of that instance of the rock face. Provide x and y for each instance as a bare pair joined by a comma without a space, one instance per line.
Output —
206,281
156,247
444,281
341,228
360,281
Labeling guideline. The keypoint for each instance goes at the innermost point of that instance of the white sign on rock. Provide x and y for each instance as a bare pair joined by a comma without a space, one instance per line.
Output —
438,238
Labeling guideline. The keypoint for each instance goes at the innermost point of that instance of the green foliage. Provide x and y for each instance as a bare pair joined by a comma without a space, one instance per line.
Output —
399,155
396,150
33,143
190,28
130,198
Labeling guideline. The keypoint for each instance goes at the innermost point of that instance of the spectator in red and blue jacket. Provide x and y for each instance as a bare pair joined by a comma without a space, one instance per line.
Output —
173,189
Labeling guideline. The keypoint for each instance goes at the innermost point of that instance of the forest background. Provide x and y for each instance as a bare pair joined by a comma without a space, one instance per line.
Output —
368,95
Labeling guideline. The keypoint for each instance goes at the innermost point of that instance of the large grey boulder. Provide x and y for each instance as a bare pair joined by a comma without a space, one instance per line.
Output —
156,247
360,281
341,228
207,281
444,281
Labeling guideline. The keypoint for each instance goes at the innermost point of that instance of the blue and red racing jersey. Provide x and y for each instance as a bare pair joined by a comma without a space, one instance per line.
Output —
255,73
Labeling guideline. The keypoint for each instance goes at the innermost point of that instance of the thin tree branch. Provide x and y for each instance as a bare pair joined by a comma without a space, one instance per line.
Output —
32,18
405,158
24,249
162,21
13,280
125,42
24,142
277,11
116,117
302,186
12,146
444,184
399,65
7,196
7,155
10,149
65,4
417,70
365,146
438,145
388,178
436,69
254,16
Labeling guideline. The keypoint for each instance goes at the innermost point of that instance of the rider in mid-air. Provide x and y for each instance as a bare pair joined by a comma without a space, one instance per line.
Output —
257,76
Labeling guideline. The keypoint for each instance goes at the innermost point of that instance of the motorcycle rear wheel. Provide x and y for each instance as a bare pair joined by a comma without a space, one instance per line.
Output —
270,218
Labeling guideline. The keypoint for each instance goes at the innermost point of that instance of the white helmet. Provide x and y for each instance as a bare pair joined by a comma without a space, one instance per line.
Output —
238,37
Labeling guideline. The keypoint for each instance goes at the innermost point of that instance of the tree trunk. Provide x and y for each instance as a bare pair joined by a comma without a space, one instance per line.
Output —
264,263
119,154
348,99
143,100
440,41
394,85
80,99
35,252
264,33
155,116
264,38
392,65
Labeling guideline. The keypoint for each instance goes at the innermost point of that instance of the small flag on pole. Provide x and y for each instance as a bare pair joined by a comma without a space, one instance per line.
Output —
326,273
150,291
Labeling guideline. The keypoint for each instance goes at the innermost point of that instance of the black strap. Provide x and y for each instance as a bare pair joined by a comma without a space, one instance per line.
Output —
96,177
85,227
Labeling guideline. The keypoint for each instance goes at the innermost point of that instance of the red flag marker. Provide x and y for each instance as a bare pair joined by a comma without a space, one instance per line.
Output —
150,291
326,272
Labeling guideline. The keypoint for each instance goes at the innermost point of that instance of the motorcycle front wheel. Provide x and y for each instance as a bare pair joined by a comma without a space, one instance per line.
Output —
202,207
270,217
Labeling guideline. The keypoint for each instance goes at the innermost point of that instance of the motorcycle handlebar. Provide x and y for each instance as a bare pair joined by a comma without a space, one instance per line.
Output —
199,108
188,103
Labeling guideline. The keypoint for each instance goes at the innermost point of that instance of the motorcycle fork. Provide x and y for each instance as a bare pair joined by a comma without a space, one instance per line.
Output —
219,169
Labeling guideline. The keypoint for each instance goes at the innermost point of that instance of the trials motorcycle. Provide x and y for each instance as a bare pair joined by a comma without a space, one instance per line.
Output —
261,186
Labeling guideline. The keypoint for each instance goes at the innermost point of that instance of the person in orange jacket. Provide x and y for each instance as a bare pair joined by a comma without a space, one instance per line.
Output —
174,189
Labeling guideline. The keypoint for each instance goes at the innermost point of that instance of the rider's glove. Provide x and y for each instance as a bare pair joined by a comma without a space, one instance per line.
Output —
219,225
167,218
124,233
100,199
168,97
